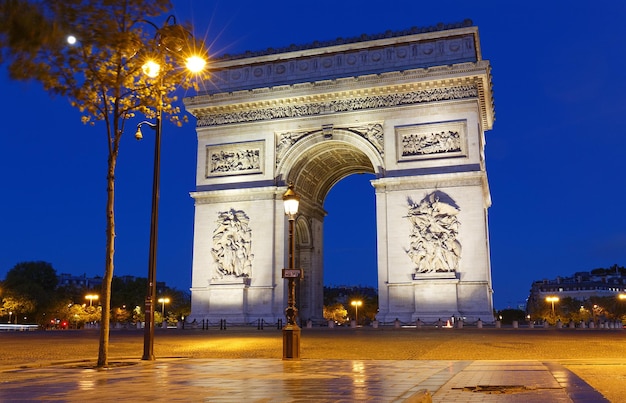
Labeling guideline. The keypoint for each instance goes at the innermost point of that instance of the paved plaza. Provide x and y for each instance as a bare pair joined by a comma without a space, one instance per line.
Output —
193,377
274,380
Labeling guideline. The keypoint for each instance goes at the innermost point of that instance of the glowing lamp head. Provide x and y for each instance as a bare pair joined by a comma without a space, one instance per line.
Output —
71,40
291,201
195,63
552,299
151,68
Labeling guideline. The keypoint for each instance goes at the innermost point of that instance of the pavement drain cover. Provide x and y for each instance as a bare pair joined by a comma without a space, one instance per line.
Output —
497,389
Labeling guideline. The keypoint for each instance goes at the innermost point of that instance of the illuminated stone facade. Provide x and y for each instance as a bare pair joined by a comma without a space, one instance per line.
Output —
410,107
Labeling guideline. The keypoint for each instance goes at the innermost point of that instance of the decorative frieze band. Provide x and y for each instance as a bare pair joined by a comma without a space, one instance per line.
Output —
341,105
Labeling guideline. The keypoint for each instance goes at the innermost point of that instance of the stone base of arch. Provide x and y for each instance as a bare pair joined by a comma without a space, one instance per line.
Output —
236,302
435,297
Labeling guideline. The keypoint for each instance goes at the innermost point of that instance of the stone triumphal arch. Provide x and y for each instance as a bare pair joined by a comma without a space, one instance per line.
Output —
409,107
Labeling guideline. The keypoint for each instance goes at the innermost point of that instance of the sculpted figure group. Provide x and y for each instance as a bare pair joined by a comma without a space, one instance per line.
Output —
232,245
433,241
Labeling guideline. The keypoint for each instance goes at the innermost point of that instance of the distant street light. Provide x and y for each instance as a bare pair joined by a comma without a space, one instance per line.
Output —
356,305
91,297
291,332
10,314
552,299
163,301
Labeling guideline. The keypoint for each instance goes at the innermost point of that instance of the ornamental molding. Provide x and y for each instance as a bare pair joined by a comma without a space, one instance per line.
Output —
432,181
237,195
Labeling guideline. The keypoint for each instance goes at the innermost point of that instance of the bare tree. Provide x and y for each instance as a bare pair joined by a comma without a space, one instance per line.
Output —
93,52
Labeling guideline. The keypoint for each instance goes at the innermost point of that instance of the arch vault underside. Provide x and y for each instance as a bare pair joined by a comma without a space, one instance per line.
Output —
411,108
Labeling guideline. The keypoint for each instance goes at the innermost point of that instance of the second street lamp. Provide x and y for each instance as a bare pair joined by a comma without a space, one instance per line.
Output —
291,332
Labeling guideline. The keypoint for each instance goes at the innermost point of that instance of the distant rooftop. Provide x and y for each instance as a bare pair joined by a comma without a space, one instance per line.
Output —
342,41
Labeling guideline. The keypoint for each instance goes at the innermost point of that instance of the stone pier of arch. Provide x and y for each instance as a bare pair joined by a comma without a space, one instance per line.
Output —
411,108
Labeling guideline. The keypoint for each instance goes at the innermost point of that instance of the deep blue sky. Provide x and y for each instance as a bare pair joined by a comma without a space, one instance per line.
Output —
554,158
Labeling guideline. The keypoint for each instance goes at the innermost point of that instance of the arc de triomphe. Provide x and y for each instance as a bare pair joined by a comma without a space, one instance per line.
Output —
410,107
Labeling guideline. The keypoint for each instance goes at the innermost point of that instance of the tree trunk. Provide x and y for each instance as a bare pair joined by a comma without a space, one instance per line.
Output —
103,351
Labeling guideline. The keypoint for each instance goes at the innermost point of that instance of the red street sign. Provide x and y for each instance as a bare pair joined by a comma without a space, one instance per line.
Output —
292,273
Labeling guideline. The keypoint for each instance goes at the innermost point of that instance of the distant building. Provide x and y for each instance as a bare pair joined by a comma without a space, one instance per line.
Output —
95,283
71,280
581,286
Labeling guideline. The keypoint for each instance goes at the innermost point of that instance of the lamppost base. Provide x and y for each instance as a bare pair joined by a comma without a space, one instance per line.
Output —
291,342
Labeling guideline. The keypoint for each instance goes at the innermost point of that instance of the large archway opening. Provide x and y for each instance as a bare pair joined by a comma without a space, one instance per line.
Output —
350,233
350,259
343,254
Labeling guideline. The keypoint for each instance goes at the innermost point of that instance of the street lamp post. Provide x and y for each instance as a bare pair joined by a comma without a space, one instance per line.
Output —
291,332
171,38
356,305
148,343
10,314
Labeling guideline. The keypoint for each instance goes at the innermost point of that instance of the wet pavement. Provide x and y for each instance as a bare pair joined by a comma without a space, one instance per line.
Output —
319,380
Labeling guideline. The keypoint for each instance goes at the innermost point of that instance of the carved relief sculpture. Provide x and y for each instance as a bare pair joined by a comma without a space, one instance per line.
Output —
433,240
372,132
232,245
433,140
431,143
233,159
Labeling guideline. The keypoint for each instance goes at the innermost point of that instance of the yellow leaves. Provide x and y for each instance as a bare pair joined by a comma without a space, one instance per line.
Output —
101,73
